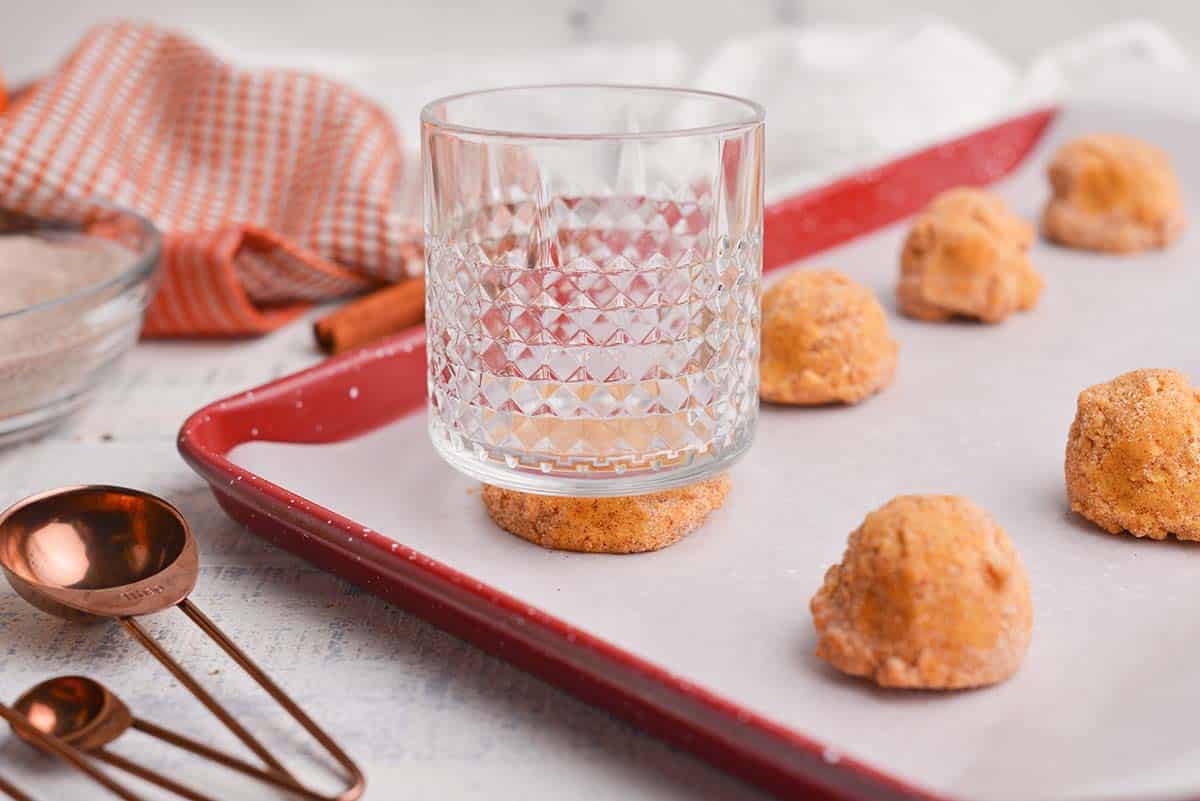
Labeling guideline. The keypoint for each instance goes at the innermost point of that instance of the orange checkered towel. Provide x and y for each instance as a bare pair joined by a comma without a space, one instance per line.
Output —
273,188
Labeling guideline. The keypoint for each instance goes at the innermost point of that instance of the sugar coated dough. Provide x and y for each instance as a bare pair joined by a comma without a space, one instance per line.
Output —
1113,193
606,525
967,256
929,594
1133,455
987,209
825,340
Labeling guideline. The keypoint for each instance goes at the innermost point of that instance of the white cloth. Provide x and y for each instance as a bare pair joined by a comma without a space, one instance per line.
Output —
838,97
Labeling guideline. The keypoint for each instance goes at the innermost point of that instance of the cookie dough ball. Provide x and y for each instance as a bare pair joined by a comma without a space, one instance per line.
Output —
824,340
988,210
629,524
1133,455
1113,193
930,594
966,256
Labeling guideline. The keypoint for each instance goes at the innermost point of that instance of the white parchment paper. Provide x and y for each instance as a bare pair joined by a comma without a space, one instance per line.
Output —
1104,706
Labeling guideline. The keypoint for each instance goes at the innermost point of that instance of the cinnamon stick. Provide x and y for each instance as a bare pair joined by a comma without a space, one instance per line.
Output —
383,312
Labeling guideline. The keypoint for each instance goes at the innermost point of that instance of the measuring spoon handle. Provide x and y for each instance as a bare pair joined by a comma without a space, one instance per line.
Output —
233,763
10,790
202,695
357,782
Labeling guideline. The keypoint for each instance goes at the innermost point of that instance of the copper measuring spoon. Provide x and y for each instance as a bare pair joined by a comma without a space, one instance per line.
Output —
83,713
94,552
69,754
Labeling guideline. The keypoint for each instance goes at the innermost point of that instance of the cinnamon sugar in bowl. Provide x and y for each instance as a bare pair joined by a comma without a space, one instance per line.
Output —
73,292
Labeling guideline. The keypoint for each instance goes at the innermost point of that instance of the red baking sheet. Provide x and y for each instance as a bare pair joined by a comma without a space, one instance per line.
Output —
776,758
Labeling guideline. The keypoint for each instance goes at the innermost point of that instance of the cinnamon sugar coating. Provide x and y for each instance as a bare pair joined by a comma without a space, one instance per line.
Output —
986,209
929,594
1133,455
1113,193
825,339
629,524
967,256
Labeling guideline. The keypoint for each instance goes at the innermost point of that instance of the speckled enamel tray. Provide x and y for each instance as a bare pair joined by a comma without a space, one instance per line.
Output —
709,643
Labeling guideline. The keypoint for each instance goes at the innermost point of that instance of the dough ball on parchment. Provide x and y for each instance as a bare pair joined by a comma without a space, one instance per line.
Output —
825,339
629,524
967,256
987,209
1133,455
930,594
1113,193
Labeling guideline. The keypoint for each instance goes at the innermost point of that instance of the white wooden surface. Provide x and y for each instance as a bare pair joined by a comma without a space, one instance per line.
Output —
428,716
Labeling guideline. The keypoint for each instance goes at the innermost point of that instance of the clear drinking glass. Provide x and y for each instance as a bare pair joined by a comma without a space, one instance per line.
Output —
593,281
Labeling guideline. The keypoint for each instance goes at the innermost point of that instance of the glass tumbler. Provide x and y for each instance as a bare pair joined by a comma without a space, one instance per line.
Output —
593,278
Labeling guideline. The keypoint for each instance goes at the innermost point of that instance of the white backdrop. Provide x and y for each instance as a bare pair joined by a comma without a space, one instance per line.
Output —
33,34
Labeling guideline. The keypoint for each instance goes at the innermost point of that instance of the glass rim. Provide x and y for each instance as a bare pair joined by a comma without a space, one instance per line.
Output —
757,112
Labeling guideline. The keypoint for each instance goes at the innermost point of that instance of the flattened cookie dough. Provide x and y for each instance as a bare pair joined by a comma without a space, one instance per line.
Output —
929,594
967,256
1133,455
1113,193
824,340
606,525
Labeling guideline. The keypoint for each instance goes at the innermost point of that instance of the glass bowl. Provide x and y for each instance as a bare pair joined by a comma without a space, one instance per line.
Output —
73,292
